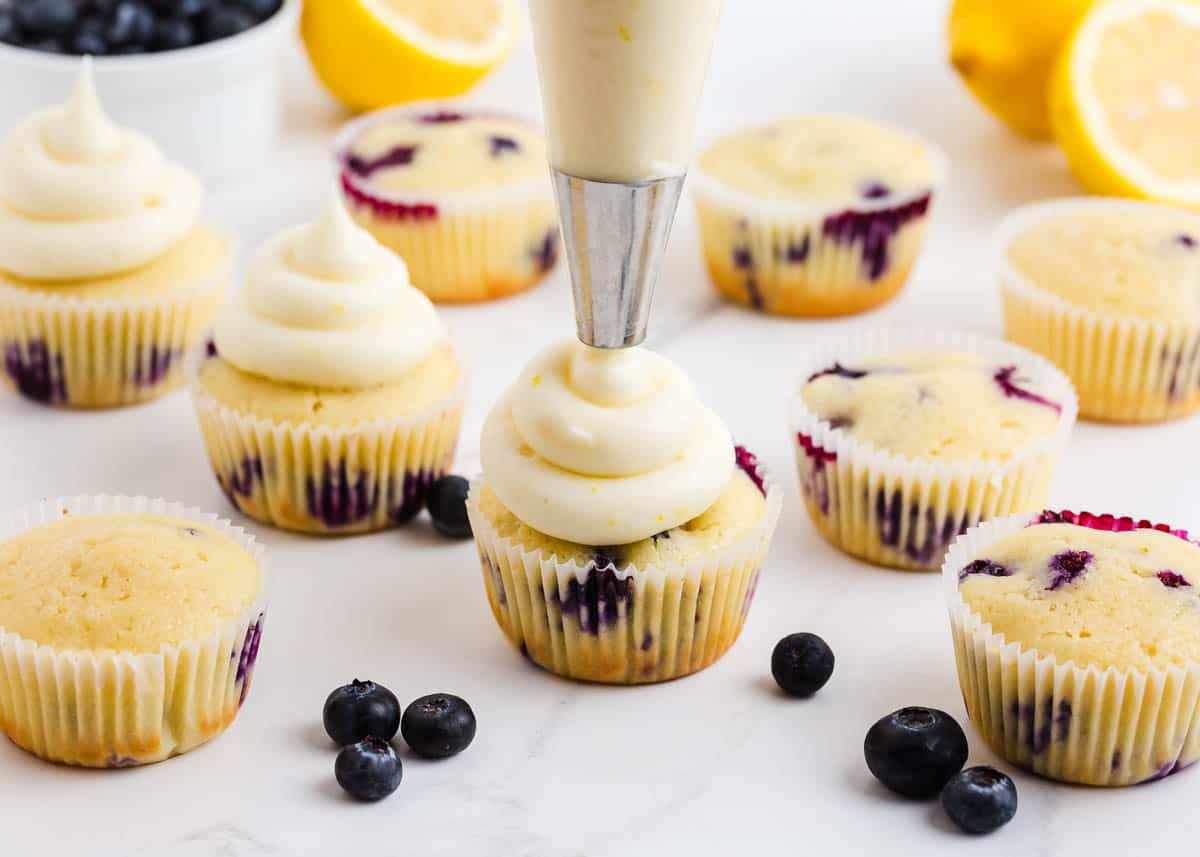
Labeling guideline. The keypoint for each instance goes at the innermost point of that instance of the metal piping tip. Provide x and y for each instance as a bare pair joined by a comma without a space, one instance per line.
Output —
614,236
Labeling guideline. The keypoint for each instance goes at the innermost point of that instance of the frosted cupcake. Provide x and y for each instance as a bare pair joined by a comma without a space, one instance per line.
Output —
906,439
129,628
620,531
1108,291
461,194
814,215
107,275
1077,639
331,397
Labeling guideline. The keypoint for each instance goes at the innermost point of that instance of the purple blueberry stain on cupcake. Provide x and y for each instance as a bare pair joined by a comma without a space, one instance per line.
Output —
116,761
922,549
497,580
1043,725
647,642
1067,567
795,252
1186,241
37,373
249,657
397,156
872,232
1172,579
338,499
545,253
1010,384
837,370
743,260
747,462
1115,764
874,190
210,349
152,366
1167,769
814,480
987,567
501,146
596,602
441,117
408,495
242,481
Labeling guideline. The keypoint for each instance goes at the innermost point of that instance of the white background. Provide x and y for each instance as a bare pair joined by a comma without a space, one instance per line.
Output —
715,764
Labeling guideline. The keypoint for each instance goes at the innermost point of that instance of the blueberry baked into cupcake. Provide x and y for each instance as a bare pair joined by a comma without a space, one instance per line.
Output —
1108,291
1077,639
107,274
129,628
462,194
814,215
621,532
330,398
904,439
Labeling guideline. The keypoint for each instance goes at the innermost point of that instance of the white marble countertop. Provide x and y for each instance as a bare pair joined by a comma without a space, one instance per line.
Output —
715,764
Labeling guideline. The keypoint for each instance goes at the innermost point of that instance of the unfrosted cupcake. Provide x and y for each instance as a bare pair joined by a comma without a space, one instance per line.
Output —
460,193
107,275
330,398
129,628
1108,291
1077,639
906,439
621,533
814,215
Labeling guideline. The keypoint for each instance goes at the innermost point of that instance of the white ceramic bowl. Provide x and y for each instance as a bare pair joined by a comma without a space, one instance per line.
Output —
214,108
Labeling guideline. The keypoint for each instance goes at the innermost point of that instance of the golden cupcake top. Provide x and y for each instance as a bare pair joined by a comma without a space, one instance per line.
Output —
123,581
1095,597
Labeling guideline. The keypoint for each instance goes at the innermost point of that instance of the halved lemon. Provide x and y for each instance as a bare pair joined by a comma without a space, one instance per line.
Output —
373,53
1125,100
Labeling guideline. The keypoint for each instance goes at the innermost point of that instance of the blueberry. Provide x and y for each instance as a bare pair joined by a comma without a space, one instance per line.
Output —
180,8
447,504
801,664
49,45
369,770
438,726
221,22
361,709
130,25
260,9
915,751
980,800
47,17
89,37
10,32
172,34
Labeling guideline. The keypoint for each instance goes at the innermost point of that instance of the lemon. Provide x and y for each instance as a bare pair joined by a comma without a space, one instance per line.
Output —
1125,100
372,53
1004,51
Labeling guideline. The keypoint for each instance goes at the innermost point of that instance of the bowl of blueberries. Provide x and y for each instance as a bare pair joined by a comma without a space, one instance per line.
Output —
201,77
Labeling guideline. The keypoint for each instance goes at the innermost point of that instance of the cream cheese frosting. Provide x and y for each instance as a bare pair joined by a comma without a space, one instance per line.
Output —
327,305
604,447
81,197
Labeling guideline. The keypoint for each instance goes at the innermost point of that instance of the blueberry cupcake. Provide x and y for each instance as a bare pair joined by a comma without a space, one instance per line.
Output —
904,439
129,628
1077,639
814,215
461,194
107,275
620,531
330,397
1108,291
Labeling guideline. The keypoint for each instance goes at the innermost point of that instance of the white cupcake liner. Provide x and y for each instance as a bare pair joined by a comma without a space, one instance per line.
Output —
894,511
1101,727
327,480
807,258
622,625
1126,369
110,709
458,245
104,352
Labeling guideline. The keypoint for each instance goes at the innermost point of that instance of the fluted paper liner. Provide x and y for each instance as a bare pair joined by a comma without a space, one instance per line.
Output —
1100,727
809,258
459,246
109,709
1126,369
622,625
323,479
105,352
894,511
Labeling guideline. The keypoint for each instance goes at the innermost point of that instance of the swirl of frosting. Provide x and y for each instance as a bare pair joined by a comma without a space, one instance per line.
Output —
604,447
327,305
83,198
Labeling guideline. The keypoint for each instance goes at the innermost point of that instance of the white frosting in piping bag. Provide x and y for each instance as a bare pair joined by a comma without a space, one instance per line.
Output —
327,305
83,198
604,447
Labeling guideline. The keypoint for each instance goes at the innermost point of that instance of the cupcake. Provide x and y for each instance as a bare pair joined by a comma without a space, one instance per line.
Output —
1108,291
1077,639
905,439
814,215
620,531
107,275
129,628
462,195
330,397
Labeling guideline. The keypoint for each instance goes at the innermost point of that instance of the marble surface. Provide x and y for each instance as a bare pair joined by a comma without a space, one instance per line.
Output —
715,764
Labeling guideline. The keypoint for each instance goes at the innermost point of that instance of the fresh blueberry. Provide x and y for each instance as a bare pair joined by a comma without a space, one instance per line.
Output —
438,726
10,32
915,751
260,9
171,34
447,504
801,664
369,770
89,37
980,800
47,17
221,22
131,25
181,8
361,709
48,45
